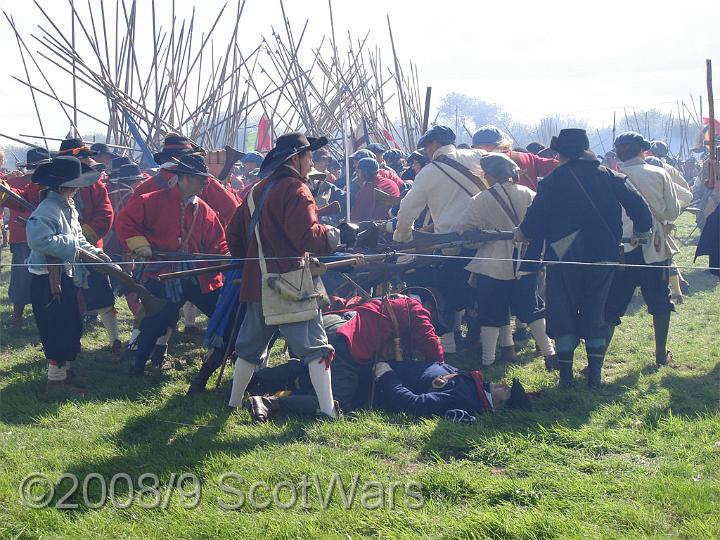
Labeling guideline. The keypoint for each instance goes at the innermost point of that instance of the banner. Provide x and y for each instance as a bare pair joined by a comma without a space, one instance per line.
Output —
264,135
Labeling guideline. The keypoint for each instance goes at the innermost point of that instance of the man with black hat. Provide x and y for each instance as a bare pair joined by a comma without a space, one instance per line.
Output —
577,211
104,154
279,220
445,186
173,219
19,289
415,162
221,200
96,217
658,191
54,230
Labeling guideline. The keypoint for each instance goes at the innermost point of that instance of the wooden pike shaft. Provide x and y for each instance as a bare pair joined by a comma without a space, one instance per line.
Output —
712,163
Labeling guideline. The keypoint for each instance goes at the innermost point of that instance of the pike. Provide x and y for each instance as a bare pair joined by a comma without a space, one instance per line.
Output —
151,303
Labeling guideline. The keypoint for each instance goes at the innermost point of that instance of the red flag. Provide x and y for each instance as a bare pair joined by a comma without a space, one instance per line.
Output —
390,139
264,138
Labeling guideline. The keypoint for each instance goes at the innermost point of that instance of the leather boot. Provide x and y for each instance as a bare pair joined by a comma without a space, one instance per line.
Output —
508,354
305,405
565,362
16,321
261,407
551,363
157,357
661,325
206,370
594,371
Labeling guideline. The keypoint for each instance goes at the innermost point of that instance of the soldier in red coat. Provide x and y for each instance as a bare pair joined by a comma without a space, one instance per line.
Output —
19,290
286,222
367,206
173,219
222,201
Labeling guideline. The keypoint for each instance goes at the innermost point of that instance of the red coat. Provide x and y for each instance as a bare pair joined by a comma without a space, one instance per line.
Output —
365,208
164,220
92,203
17,230
368,331
386,172
532,167
222,201
95,209
289,227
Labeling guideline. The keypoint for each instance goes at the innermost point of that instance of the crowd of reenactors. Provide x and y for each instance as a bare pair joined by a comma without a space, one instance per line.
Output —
569,237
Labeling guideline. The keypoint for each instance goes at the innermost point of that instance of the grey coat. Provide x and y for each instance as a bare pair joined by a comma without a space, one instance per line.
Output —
53,229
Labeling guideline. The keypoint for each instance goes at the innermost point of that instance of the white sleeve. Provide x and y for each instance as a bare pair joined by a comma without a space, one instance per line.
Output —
670,198
410,208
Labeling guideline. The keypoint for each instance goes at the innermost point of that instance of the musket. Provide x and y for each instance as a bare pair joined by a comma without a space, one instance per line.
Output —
183,256
318,268
151,303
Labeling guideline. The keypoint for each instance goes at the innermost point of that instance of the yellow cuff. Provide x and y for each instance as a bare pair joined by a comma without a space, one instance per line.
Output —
4,195
90,235
136,242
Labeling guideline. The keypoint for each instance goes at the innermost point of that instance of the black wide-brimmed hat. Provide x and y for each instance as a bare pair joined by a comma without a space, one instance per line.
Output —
128,172
572,143
287,146
519,398
191,164
175,145
65,171
76,148
116,163
34,158
102,148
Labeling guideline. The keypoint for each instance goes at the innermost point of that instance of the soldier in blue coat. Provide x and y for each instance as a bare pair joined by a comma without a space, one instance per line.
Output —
438,389
578,213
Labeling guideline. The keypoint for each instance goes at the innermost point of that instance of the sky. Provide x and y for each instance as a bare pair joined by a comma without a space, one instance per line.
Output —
575,58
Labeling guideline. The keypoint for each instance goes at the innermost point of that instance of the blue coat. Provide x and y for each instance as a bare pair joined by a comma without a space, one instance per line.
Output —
408,388
561,208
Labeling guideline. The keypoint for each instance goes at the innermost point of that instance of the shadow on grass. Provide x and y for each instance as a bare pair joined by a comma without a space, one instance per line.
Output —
570,408
686,393
175,438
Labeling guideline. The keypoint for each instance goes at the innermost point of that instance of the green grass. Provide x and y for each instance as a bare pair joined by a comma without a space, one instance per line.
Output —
639,458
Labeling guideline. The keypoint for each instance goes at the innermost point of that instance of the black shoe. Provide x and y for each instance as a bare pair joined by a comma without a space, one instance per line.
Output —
552,363
196,387
663,360
507,354
594,374
566,374
157,358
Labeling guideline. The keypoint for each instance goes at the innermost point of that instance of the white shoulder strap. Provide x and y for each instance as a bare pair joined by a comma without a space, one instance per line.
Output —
251,207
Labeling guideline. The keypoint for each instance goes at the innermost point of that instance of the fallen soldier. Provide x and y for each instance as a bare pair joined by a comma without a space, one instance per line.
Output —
423,389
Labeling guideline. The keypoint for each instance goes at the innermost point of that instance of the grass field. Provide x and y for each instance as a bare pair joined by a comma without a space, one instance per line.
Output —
639,458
